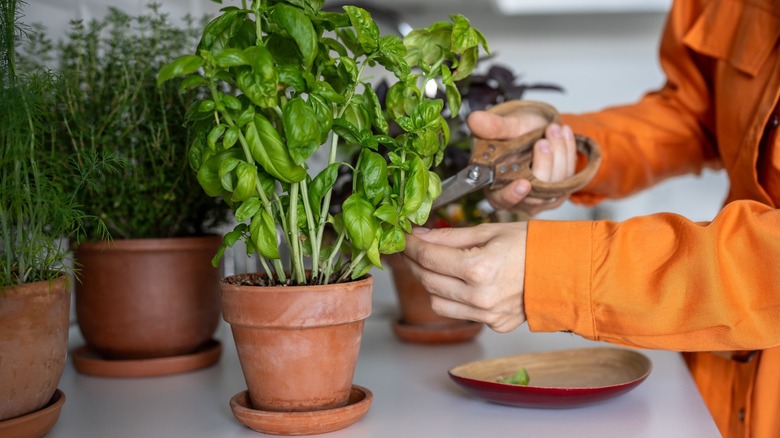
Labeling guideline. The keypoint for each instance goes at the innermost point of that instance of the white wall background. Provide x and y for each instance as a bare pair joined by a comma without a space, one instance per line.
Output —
600,58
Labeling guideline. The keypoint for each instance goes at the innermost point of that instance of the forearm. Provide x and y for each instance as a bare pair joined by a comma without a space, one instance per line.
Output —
659,281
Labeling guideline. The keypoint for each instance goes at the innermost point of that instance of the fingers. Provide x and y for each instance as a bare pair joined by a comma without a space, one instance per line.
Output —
498,322
506,198
555,156
554,159
473,273
445,250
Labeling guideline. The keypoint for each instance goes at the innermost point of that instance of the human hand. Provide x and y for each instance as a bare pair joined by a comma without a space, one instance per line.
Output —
554,157
474,273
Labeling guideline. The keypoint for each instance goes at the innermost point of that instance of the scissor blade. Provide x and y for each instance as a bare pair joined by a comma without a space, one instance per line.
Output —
468,180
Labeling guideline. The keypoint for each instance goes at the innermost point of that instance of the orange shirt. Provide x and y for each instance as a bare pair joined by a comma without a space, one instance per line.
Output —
662,281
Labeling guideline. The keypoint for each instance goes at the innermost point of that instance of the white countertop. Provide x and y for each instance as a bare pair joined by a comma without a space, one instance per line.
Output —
413,395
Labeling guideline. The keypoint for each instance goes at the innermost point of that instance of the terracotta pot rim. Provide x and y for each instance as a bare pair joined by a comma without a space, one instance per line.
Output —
33,288
151,244
284,307
275,288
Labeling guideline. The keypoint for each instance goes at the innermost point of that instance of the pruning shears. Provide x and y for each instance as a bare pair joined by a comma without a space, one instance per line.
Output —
496,163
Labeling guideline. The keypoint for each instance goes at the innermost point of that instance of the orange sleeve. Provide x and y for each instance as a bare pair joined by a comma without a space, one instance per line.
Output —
660,281
667,133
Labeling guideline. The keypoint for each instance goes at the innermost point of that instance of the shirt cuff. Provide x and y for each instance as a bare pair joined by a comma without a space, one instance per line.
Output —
558,277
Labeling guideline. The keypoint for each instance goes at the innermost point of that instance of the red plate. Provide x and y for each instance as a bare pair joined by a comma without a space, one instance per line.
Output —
558,379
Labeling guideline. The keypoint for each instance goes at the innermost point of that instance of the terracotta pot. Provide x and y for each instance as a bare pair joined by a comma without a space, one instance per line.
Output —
34,322
147,298
298,345
418,323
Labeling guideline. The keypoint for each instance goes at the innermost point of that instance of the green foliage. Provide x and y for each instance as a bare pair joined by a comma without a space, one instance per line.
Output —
281,79
37,211
110,106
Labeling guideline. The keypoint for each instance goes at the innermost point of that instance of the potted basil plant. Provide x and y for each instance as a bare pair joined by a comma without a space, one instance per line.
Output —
280,81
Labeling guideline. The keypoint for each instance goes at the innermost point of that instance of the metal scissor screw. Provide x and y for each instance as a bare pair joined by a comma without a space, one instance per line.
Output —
474,174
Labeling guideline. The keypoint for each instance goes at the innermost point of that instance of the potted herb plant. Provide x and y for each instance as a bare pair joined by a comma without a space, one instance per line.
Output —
280,80
147,301
35,214
418,322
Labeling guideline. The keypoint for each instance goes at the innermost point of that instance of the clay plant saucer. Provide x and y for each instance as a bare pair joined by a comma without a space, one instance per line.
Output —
86,361
302,423
35,424
440,333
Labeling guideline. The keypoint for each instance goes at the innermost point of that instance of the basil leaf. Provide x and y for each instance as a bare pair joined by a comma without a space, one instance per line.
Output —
293,23
246,175
262,232
392,240
416,187
387,213
215,135
248,209
372,175
324,113
391,55
181,66
268,150
326,91
359,221
231,57
209,172
222,29
372,101
259,81
346,130
367,30
231,137
363,266
226,176
301,129
321,184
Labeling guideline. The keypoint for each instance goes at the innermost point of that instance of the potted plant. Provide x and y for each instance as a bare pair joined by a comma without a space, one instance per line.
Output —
147,302
418,322
36,214
280,80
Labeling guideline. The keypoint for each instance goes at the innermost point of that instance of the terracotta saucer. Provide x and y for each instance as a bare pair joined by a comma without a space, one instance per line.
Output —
450,333
35,424
302,423
89,362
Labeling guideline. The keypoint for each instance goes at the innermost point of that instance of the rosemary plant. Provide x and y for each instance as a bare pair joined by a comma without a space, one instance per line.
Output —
110,106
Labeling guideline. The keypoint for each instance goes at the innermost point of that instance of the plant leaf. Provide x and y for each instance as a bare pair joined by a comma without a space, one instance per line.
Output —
367,30
295,24
262,231
181,66
268,150
301,129
359,221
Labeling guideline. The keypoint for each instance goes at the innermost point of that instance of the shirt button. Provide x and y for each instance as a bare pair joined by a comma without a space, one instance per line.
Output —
741,415
774,121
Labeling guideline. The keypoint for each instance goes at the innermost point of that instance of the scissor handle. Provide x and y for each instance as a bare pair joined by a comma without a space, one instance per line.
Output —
511,159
